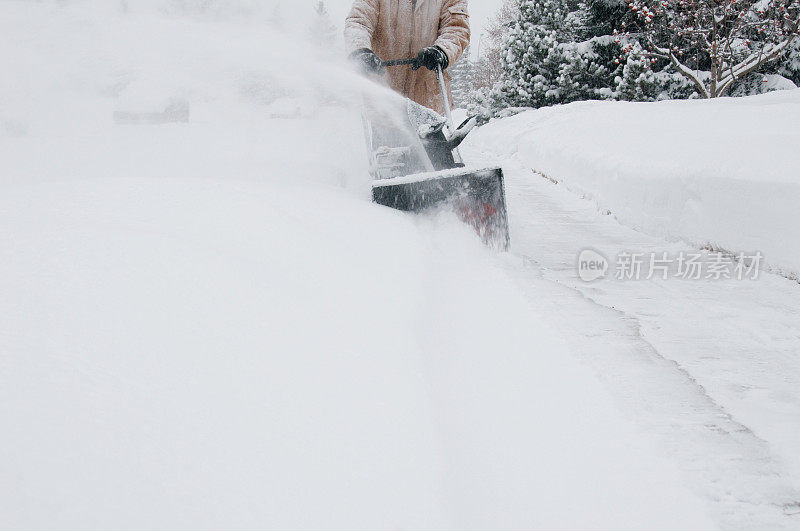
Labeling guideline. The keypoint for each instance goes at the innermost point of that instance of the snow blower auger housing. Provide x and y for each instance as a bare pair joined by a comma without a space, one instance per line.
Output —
416,167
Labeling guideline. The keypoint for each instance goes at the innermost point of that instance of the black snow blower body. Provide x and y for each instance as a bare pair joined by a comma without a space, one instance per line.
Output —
416,167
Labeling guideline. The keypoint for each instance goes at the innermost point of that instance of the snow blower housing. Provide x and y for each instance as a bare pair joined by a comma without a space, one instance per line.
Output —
416,167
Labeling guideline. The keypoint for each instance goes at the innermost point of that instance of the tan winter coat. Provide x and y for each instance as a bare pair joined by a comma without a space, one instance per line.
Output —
399,29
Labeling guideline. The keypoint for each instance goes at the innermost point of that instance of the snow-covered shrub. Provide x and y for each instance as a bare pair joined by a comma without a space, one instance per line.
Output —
545,64
729,40
673,86
463,84
638,81
790,65
761,84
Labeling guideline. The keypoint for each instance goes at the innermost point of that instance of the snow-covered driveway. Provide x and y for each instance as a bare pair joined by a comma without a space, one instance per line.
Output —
712,366
206,324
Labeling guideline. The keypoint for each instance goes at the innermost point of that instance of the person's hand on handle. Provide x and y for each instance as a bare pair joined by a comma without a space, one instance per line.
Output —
431,58
368,61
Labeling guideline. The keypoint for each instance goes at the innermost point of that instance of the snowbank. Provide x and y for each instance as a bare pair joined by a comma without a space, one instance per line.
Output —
190,355
205,323
724,172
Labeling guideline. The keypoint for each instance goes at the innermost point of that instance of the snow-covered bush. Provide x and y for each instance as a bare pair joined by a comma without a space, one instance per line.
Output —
790,65
673,86
761,84
638,81
544,62
729,40
463,84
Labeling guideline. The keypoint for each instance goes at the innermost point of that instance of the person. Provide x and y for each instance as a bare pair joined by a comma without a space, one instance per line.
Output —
435,32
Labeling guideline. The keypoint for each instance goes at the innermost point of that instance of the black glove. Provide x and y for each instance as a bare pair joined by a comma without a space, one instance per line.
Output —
430,58
369,62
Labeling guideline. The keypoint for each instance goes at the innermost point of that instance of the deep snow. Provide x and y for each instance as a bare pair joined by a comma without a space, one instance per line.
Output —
207,324
722,172
711,366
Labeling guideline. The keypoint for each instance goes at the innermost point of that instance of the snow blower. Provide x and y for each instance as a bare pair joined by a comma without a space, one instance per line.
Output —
416,167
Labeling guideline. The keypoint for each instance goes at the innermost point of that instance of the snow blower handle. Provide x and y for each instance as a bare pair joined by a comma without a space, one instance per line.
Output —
442,87
448,112
400,62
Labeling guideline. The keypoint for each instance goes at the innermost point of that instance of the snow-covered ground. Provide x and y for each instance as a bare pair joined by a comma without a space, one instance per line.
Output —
712,366
204,322
724,173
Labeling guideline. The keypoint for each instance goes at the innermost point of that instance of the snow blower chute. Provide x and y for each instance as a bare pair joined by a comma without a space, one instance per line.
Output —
416,166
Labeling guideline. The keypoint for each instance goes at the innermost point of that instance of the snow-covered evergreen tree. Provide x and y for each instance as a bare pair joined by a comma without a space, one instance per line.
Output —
638,81
603,17
790,66
323,31
543,63
558,51
463,84
491,49
715,43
